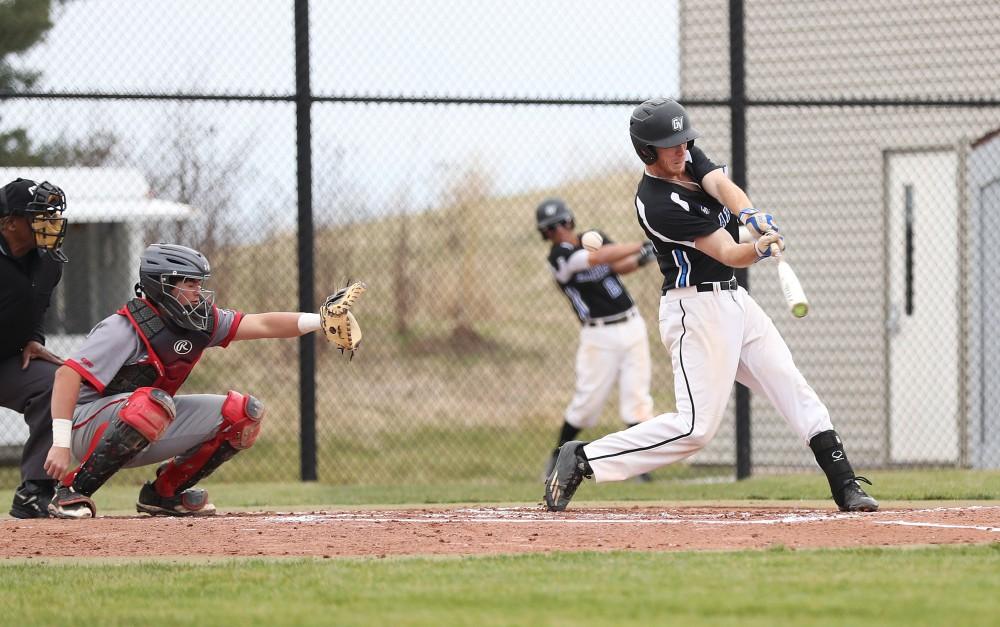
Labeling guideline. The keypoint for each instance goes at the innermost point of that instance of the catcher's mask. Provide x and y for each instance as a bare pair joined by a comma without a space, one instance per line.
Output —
660,123
43,204
551,213
164,267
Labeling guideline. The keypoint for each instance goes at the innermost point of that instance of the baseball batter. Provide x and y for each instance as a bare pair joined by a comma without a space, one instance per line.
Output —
613,345
114,403
715,332
32,227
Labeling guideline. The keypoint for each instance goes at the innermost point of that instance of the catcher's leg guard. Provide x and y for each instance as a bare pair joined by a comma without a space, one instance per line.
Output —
241,420
146,413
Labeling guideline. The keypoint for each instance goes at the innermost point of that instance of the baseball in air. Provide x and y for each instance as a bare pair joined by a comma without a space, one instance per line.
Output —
592,240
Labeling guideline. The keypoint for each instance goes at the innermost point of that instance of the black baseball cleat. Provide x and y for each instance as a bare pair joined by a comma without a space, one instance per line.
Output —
643,478
31,499
570,470
190,502
550,464
854,499
68,503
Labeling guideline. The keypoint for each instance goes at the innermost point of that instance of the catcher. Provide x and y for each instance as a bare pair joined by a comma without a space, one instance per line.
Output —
114,403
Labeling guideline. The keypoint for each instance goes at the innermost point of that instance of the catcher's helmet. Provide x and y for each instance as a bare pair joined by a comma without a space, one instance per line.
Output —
662,123
161,267
550,212
43,204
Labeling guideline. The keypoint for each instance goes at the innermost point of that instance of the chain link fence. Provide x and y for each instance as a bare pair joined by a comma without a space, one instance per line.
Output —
435,131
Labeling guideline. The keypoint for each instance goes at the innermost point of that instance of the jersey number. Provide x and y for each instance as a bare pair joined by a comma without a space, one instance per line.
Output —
613,287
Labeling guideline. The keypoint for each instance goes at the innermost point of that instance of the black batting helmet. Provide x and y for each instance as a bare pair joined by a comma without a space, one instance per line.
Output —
662,123
161,267
550,212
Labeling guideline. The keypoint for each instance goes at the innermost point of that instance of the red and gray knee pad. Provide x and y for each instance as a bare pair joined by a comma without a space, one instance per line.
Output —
241,422
142,419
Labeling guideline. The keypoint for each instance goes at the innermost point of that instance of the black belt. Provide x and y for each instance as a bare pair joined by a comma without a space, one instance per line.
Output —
731,284
600,322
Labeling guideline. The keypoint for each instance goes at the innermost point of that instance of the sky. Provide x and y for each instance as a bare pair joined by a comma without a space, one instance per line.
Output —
587,49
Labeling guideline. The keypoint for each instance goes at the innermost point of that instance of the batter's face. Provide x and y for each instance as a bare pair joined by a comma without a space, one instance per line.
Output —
672,160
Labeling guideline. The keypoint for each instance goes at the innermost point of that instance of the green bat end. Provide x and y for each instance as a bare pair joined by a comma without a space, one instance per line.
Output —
799,310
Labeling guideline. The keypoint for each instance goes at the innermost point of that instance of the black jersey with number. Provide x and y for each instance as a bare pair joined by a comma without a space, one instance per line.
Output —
594,292
674,215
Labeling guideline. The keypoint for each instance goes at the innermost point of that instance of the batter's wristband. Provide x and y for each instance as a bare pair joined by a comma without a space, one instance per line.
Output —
62,432
309,322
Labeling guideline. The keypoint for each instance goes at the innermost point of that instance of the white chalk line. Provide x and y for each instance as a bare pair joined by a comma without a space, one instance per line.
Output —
907,523
523,516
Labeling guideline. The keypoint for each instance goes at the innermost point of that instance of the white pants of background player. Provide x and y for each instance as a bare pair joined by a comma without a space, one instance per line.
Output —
714,338
609,353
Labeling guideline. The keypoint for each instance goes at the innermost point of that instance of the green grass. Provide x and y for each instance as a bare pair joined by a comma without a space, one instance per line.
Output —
927,586
806,489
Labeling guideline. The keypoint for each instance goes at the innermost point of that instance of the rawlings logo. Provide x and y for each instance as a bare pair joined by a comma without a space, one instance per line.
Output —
183,347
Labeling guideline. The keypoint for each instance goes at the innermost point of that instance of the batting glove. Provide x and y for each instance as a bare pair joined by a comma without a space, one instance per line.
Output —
647,253
763,245
758,222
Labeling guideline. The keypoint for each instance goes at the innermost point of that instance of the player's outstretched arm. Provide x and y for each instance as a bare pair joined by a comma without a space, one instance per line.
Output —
632,263
276,324
611,253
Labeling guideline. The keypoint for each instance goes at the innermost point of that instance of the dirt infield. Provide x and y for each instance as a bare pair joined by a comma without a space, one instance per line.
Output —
490,530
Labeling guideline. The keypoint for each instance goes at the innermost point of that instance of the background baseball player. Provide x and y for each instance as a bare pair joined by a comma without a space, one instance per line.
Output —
613,345
30,267
715,332
113,402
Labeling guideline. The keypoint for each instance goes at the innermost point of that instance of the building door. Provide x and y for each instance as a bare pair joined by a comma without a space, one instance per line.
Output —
923,308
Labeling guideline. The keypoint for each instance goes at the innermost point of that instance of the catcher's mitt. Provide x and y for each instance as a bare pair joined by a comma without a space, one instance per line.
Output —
339,325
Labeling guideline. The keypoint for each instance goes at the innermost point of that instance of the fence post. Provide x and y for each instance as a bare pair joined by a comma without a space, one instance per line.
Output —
737,107
307,343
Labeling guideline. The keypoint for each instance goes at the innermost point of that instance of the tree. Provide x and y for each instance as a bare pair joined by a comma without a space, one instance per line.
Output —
23,24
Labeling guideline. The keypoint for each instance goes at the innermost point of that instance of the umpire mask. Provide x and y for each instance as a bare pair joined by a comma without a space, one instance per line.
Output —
43,204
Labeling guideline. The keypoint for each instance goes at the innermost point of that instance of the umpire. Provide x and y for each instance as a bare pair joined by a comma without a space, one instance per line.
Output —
33,228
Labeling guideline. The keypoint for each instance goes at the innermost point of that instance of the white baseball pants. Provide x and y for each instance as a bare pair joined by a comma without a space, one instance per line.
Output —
714,338
614,352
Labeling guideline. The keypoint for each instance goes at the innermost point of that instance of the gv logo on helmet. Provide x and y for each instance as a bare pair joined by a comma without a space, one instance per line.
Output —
677,123
183,347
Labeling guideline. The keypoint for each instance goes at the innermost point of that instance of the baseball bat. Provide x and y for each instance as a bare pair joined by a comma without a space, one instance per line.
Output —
795,296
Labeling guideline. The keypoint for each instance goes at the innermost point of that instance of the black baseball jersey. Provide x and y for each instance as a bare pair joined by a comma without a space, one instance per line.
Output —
26,286
595,292
673,216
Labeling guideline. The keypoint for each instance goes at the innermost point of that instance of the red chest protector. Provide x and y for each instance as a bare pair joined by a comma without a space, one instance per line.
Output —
172,351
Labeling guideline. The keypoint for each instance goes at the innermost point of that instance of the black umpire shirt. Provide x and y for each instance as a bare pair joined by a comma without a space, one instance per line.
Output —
674,215
26,286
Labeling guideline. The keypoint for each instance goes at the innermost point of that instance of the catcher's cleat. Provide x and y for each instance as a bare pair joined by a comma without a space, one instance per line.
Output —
31,499
190,502
854,499
68,503
570,470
